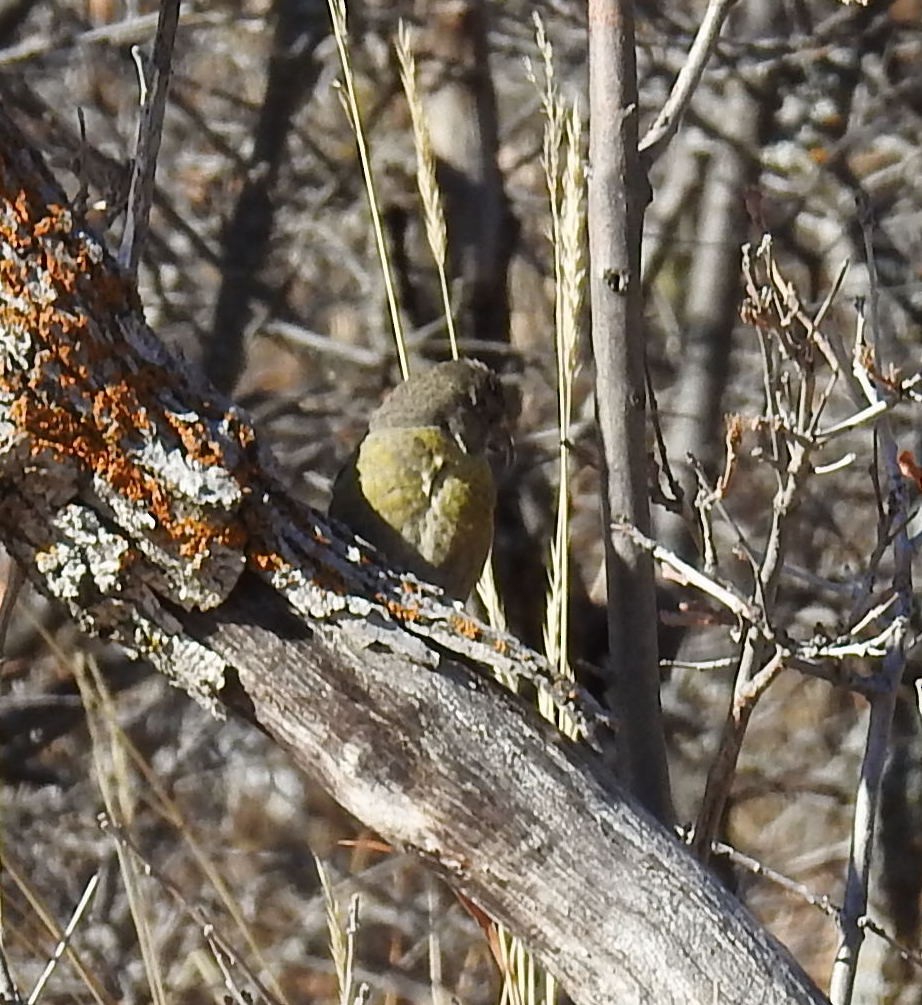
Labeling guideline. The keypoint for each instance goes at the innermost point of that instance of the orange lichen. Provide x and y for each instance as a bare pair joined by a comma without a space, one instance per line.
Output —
400,612
82,399
195,537
58,221
20,204
193,436
117,411
465,626
265,561
96,447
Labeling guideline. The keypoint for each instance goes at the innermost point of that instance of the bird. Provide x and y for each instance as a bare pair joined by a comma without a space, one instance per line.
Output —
420,486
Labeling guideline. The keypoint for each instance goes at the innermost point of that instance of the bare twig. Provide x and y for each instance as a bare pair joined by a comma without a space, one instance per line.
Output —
790,400
819,901
64,941
666,123
709,499
758,868
687,575
150,126
129,31
676,492
860,418
303,338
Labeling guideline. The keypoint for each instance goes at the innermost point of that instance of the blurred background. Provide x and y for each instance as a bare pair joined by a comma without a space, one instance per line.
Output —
261,268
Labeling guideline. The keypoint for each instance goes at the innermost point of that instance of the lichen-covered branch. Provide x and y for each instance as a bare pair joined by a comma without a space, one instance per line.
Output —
122,484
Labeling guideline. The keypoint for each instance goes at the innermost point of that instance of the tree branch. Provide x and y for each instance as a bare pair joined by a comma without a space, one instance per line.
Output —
153,106
618,194
667,122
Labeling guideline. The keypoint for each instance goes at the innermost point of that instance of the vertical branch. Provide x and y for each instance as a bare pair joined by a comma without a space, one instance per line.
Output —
883,703
617,196
150,127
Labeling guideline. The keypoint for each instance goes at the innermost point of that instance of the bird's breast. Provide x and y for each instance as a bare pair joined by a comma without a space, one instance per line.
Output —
435,496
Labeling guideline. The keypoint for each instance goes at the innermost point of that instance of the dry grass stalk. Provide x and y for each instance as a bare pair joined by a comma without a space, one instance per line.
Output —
342,941
433,213
523,981
351,106
114,779
562,160
46,918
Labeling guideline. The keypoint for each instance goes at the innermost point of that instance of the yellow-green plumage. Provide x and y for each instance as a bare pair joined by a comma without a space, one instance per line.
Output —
420,486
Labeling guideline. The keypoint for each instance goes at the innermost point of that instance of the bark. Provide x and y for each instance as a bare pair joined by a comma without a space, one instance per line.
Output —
137,498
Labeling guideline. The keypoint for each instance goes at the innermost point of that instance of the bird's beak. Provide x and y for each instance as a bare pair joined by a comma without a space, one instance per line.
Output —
501,448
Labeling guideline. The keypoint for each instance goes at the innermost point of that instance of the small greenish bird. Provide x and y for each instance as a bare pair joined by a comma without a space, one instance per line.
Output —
420,485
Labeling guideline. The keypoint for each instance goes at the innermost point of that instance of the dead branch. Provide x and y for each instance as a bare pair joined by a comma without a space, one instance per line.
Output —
150,124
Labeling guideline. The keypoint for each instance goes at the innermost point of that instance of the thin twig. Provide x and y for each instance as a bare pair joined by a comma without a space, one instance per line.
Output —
793,397
150,128
820,901
721,663
666,123
304,338
64,941
688,575
861,418
710,499
129,31
675,489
